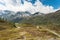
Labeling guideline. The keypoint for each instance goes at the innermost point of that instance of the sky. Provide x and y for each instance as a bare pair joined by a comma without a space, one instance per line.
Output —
42,6
54,3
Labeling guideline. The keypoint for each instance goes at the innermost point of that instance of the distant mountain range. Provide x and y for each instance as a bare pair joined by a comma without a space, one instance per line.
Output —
28,17
10,15
40,18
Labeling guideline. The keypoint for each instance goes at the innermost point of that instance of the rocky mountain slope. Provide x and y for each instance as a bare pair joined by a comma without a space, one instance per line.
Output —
14,16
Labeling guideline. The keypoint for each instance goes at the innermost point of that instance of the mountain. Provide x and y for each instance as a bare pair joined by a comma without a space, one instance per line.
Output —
54,17
11,15
6,14
26,16
21,16
50,18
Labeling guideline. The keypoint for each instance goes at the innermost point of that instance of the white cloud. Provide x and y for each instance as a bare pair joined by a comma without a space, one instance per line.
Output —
27,6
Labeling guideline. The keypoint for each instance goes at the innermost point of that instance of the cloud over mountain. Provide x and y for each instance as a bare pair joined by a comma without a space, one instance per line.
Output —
16,5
